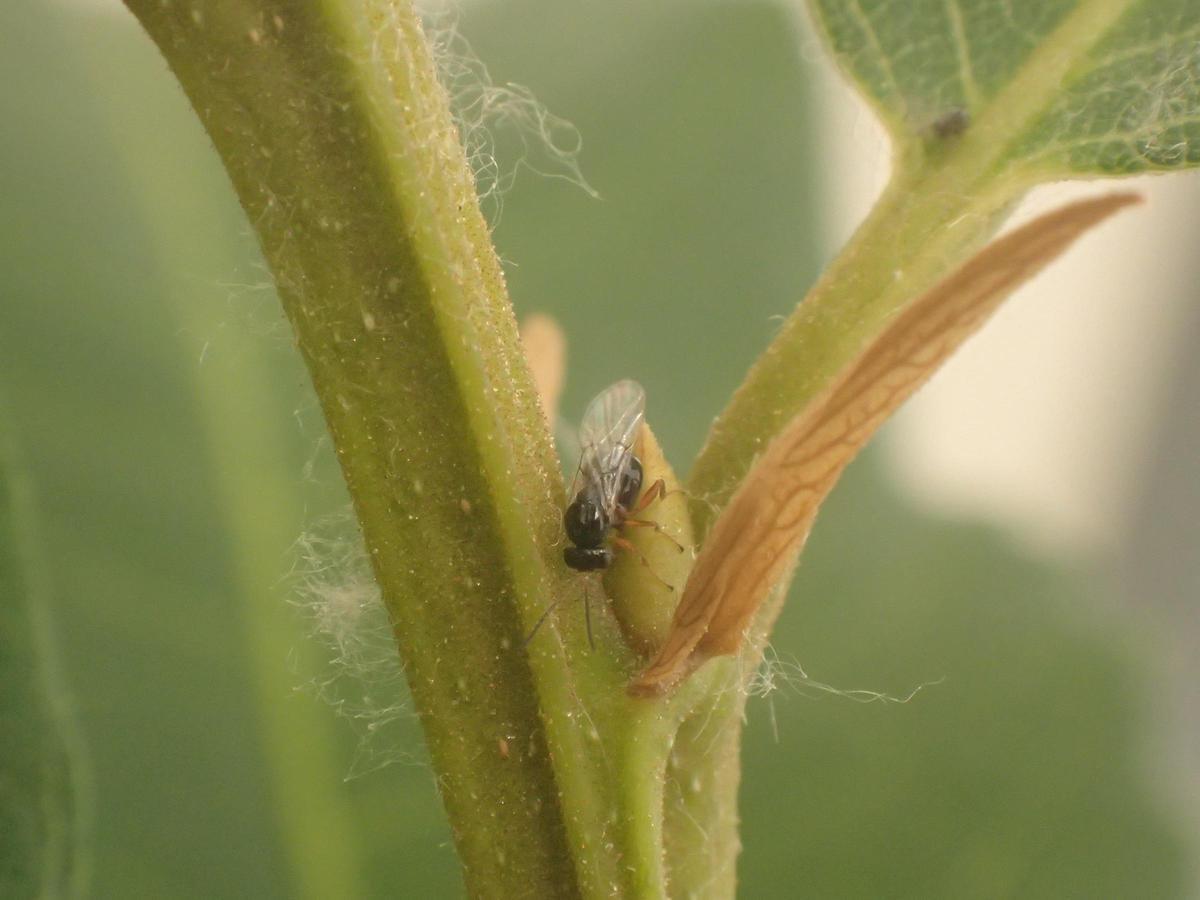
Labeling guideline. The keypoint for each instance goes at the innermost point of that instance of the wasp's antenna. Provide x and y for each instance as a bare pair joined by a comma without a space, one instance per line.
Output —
578,469
587,616
542,618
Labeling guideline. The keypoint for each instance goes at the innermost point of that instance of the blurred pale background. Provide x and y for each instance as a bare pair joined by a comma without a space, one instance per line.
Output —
1021,539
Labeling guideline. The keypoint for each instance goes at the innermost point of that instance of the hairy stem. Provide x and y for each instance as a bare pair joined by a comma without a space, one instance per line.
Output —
900,249
339,142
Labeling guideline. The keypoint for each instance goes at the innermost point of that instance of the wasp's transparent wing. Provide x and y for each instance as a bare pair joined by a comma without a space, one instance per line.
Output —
606,438
614,415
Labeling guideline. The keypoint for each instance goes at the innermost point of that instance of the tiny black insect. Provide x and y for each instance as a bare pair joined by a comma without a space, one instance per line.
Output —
607,485
951,123
609,479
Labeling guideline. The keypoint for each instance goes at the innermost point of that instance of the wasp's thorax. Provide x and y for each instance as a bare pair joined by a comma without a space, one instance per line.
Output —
631,485
587,522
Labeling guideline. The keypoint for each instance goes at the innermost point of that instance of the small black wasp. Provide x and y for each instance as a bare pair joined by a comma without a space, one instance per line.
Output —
609,478
607,484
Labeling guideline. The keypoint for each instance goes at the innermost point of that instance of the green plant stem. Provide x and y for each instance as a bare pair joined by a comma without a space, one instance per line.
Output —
943,201
340,144
899,250
888,260
701,819
338,140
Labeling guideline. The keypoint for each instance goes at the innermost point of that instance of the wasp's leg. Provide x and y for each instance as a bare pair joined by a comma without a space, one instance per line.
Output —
626,545
661,487
656,491
587,617
646,523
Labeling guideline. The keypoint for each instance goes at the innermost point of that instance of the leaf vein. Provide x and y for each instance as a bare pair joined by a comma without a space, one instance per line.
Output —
881,55
962,50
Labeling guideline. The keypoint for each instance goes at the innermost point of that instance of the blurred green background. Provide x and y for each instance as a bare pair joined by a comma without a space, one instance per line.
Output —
176,455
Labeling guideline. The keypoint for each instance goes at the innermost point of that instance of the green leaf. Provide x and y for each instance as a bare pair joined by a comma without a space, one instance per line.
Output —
1067,86
39,823
918,61
1132,105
